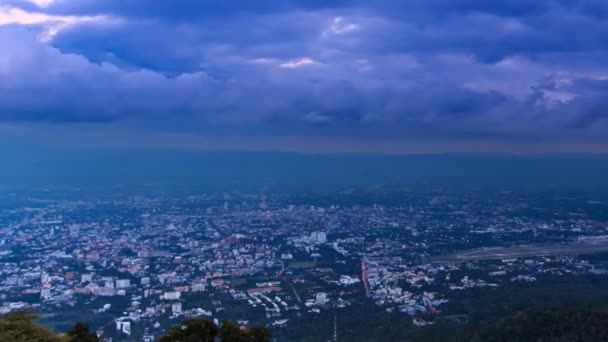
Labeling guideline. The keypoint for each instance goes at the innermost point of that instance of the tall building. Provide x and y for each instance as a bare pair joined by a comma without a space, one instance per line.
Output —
124,327
45,293
176,308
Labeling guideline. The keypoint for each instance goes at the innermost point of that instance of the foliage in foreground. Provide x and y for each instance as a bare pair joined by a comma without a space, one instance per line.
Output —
202,330
20,327
547,325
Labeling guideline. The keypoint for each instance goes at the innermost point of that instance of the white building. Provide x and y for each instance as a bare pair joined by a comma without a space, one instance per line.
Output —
348,280
45,293
123,283
321,298
198,287
172,295
318,237
176,308
124,327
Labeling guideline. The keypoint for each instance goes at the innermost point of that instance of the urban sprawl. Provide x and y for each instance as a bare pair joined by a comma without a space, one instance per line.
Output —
140,264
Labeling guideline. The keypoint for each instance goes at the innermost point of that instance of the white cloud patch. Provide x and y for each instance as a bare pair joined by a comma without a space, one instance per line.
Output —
355,68
317,118
53,24
264,61
42,3
298,63
340,26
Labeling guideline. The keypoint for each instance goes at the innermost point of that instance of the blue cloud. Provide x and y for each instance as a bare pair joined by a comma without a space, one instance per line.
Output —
463,67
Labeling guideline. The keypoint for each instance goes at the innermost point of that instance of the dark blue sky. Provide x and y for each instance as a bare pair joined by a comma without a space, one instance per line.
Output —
395,76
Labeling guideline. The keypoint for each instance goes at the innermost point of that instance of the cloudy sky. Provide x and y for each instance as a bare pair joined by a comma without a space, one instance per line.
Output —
395,76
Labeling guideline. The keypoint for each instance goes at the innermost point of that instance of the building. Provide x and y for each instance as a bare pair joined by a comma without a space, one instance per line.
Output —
123,283
318,237
124,327
45,293
176,308
321,298
172,295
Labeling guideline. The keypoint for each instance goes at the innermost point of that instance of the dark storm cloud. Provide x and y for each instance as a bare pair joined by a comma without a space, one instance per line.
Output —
189,9
172,37
185,10
590,106
103,91
497,67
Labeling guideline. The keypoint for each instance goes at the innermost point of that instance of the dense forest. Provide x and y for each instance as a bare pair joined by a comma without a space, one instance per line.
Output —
547,326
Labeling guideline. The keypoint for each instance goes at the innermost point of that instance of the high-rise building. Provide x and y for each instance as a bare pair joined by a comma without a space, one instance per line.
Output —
176,308
124,327
45,293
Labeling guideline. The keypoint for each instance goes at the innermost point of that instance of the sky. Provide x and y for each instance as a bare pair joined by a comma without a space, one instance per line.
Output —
399,76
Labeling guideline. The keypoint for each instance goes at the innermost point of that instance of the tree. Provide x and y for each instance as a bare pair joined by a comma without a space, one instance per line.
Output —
548,325
192,330
259,334
20,327
229,332
80,333
198,329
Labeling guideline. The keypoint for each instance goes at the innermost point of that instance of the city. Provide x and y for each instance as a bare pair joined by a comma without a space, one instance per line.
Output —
133,265
303,170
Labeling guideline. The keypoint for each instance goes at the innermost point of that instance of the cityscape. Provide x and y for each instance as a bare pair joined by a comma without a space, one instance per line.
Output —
133,265
303,171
